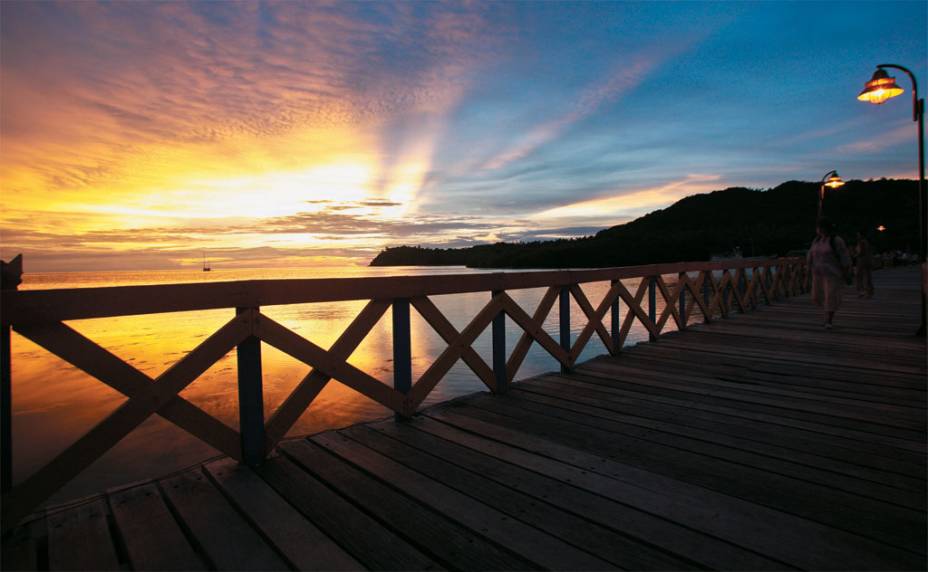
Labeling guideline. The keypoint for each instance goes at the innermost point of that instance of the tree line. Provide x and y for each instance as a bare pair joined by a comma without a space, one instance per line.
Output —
772,222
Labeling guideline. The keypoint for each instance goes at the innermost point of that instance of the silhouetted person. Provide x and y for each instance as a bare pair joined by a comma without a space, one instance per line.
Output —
864,276
830,262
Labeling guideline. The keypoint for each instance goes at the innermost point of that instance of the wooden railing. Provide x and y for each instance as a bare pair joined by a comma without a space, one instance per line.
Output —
715,289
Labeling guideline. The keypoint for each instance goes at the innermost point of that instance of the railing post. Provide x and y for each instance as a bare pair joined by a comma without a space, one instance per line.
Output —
681,285
774,272
499,350
707,276
564,323
787,281
250,398
771,294
6,411
402,351
652,305
12,276
614,324
742,288
723,307
757,292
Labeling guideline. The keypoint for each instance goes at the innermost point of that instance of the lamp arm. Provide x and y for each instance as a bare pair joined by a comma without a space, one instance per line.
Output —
821,190
917,104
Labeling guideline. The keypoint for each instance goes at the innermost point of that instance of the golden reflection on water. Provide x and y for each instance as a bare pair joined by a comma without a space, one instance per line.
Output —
54,403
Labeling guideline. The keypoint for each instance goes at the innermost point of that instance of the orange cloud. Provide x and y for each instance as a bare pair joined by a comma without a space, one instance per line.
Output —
127,117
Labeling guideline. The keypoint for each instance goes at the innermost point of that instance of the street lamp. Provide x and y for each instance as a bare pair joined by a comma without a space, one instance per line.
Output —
832,180
880,88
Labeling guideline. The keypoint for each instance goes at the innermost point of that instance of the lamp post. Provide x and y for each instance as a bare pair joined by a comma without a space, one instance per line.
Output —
879,89
832,180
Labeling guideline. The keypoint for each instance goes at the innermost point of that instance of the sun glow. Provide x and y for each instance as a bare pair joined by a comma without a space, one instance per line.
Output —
284,193
232,193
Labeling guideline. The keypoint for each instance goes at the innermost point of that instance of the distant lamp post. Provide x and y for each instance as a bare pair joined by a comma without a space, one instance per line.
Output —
881,87
832,180
881,228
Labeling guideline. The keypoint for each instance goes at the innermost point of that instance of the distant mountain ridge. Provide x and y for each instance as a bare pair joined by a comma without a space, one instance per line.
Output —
759,222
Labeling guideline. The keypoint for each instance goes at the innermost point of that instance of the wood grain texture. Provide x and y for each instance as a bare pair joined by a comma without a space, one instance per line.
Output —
301,542
532,545
79,539
152,537
375,546
362,476
224,536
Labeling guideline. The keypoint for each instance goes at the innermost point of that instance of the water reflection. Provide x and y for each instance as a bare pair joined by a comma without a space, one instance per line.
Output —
54,403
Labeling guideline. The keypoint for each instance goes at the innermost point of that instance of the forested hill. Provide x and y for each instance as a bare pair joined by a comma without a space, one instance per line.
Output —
768,222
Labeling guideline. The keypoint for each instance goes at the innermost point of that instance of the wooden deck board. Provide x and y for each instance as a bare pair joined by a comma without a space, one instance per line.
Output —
667,430
618,549
745,523
20,549
220,531
688,419
79,539
759,441
544,550
502,465
371,543
302,543
667,439
779,416
328,457
153,539
787,487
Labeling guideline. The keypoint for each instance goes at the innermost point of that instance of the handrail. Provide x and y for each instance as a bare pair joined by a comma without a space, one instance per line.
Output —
34,306
39,315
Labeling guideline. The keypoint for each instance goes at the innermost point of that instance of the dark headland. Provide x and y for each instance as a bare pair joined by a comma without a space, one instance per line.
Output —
759,222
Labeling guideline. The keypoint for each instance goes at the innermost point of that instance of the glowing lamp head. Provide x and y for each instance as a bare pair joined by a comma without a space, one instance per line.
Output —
881,228
834,181
881,87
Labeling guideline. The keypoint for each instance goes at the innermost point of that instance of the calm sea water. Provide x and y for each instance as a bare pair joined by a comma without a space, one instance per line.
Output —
54,403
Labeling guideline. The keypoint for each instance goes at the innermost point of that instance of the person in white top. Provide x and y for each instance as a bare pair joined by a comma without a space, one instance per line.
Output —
830,262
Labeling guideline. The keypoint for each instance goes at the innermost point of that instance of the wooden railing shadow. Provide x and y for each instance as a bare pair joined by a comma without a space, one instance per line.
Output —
714,289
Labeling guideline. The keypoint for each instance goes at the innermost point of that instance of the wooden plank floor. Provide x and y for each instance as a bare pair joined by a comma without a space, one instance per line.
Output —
757,442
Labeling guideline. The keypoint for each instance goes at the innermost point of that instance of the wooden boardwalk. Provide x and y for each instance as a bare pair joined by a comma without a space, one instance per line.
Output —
756,442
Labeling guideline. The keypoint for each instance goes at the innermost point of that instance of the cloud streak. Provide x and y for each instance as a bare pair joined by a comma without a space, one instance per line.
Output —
140,131
92,92
625,75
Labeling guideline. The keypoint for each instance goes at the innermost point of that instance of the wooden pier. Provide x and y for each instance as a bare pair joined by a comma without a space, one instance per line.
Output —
752,442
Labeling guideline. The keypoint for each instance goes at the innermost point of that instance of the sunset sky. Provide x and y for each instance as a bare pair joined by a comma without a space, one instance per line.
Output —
138,135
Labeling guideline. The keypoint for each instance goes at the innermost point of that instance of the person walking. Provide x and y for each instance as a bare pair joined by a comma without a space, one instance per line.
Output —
864,273
830,263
